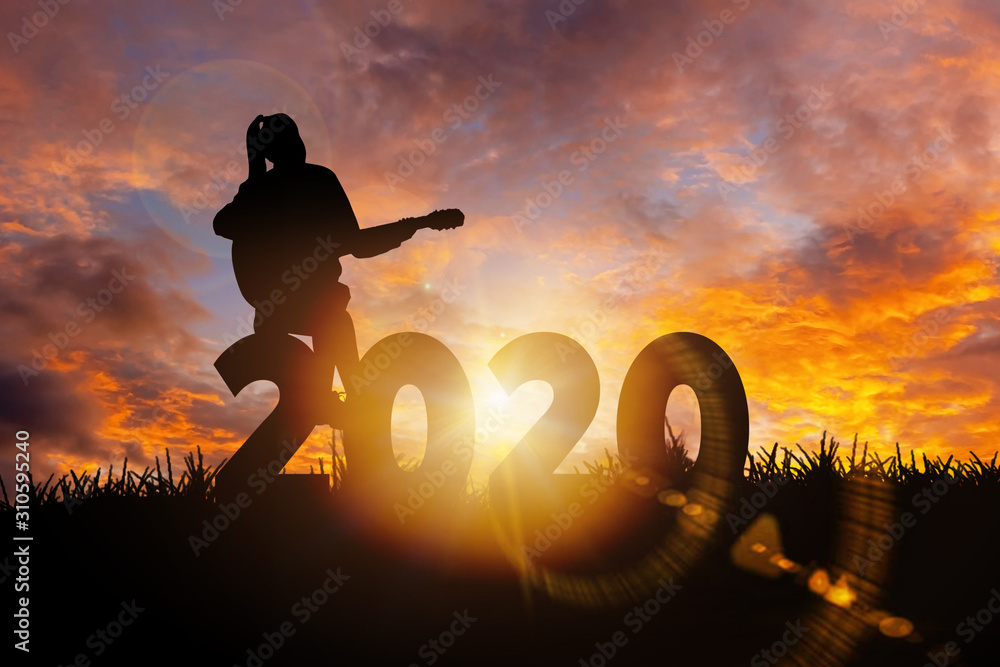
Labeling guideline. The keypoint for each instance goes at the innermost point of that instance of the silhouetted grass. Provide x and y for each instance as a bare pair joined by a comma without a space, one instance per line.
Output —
241,585
828,463
197,480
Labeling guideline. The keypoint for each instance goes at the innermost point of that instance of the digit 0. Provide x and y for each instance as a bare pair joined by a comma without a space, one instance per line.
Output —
372,472
693,360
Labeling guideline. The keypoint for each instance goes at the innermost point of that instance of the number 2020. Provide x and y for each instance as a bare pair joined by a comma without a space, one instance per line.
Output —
416,359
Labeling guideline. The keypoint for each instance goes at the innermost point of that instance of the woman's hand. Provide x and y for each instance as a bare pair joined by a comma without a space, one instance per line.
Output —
255,150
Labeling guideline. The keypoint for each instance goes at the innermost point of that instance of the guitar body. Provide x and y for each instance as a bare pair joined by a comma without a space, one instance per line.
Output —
287,283
291,276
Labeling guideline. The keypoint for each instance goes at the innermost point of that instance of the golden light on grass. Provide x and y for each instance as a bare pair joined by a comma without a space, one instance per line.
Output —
693,509
672,498
787,565
896,627
819,582
645,484
841,594
875,617
759,548
708,516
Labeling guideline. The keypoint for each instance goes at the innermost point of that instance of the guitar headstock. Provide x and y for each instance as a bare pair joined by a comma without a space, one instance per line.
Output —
448,218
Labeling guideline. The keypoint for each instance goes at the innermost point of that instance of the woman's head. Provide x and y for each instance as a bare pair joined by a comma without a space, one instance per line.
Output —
282,143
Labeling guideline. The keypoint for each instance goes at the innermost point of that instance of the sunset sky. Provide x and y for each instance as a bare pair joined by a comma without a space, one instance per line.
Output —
811,185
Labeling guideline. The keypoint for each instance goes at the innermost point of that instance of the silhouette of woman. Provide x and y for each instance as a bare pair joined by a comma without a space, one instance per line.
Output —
290,226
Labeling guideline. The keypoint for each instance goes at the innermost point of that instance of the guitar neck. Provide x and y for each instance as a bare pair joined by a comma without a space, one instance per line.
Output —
436,220
375,240
380,238
423,222
389,227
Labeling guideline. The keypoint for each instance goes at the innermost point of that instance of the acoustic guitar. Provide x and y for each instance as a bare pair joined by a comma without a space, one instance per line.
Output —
304,276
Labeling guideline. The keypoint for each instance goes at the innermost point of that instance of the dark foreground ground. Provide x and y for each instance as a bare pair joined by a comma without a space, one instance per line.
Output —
390,599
